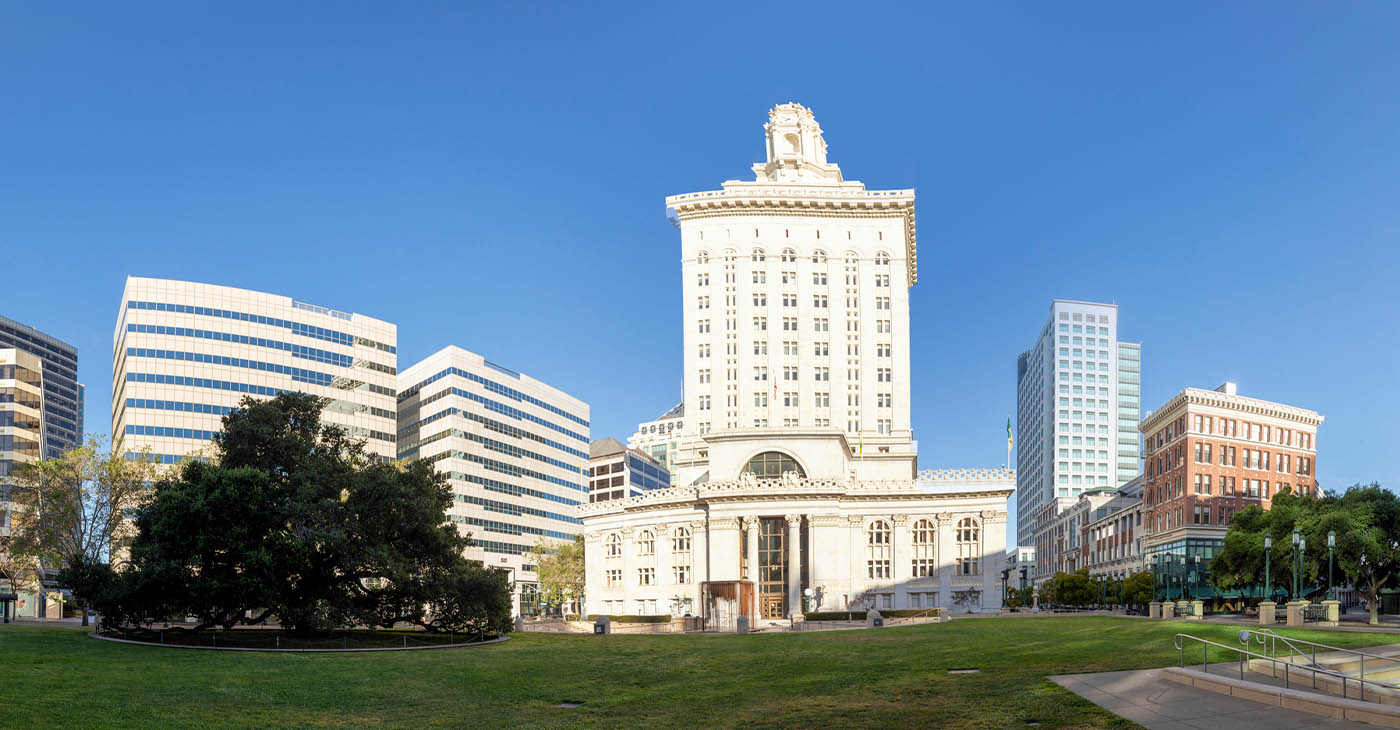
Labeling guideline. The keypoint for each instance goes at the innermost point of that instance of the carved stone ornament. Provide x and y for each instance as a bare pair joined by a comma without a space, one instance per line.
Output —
724,523
794,520
826,521
663,529
899,520
855,520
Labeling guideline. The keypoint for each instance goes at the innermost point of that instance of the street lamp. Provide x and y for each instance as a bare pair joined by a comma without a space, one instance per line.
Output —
1331,546
1181,595
1268,553
1302,579
1294,595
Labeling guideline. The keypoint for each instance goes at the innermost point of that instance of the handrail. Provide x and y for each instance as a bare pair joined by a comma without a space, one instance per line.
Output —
938,611
1244,636
1261,634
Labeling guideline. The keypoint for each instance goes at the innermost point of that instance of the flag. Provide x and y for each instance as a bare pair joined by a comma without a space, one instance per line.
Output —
860,445
1009,440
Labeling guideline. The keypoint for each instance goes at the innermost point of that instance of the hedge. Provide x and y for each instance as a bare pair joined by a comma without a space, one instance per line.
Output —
835,615
663,619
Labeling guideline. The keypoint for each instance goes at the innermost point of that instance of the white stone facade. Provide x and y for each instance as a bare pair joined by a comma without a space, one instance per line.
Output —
796,308
185,353
514,449
877,544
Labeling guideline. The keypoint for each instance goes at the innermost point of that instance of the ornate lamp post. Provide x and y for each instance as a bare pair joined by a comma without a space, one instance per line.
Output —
1296,537
1181,594
1302,553
1268,553
1331,546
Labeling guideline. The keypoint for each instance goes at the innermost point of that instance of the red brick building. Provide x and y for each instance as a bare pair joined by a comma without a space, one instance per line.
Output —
1208,454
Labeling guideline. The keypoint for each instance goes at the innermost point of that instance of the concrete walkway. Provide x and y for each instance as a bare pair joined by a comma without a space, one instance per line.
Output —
1157,703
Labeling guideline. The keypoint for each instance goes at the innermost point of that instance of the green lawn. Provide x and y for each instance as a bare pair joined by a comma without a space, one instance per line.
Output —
58,677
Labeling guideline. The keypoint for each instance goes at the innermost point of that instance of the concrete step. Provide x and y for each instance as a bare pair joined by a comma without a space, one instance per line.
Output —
1224,679
1298,676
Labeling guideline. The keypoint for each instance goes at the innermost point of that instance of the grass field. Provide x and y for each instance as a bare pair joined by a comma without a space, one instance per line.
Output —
886,678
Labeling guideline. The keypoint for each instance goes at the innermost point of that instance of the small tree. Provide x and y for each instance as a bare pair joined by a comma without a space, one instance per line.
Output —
69,510
1137,589
560,569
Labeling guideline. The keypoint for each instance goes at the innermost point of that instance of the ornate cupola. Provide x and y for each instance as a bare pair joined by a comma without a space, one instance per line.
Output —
796,150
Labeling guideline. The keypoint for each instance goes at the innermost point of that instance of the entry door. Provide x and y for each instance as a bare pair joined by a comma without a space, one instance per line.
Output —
772,607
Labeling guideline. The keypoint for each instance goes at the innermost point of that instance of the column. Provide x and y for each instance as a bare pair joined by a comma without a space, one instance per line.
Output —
664,577
699,549
947,554
855,533
794,564
901,566
751,549
629,572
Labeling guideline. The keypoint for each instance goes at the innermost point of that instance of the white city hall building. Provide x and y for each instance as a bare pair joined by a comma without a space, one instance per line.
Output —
796,471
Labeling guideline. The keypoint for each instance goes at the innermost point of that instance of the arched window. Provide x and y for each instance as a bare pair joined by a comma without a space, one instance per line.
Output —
882,259
757,255
877,556
703,257
789,256
614,546
925,558
851,258
729,254
772,465
646,543
680,540
818,256
969,547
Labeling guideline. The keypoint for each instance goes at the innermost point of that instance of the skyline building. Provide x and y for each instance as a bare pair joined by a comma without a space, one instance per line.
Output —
22,436
1078,393
63,394
799,465
796,309
515,452
661,438
186,353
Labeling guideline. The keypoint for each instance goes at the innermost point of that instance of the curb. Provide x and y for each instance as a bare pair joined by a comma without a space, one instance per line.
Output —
497,640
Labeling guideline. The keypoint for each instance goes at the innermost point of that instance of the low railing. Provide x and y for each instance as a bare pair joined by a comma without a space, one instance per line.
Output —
1266,636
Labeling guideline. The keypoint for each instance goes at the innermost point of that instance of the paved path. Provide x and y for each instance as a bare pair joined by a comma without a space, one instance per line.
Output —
1157,703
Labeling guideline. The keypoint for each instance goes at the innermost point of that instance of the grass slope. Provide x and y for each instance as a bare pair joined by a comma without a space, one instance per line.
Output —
58,677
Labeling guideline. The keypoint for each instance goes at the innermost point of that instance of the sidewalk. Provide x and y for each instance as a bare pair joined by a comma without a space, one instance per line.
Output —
1157,703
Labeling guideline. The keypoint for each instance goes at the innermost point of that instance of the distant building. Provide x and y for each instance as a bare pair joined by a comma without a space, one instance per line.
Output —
1209,454
514,449
1059,531
63,395
616,471
186,353
1021,560
665,440
22,436
1112,538
1077,406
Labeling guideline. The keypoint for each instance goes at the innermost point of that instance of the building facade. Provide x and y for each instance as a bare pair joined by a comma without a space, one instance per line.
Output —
63,394
616,471
769,548
185,354
23,440
1209,454
514,449
796,308
1112,538
1077,392
664,438
797,471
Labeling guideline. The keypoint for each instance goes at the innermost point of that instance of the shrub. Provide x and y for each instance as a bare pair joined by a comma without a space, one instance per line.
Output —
661,619
836,615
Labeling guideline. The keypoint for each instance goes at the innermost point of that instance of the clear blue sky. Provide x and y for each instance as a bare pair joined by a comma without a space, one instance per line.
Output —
493,177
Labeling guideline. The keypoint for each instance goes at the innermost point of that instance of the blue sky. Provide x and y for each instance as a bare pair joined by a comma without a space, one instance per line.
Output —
493,176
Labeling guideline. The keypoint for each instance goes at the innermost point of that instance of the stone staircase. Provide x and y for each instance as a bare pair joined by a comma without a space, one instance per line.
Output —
1385,670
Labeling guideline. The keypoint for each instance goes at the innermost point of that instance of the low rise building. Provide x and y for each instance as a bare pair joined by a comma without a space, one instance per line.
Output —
616,471
1112,537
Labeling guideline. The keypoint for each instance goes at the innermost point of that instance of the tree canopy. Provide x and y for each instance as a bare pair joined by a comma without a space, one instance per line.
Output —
294,521
560,570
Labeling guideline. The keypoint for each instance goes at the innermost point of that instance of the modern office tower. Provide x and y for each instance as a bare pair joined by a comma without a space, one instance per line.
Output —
1210,454
515,451
22,437
1071,415
796,310
1129,411
616,471
184,354
63,399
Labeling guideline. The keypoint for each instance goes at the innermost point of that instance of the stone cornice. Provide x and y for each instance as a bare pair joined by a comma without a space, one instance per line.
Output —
846,200
1179,404
738,492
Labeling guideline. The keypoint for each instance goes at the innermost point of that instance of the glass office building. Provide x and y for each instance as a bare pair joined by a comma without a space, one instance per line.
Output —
63,395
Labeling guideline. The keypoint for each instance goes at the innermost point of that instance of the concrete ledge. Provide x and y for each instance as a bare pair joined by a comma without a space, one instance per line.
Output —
1323,705
488,642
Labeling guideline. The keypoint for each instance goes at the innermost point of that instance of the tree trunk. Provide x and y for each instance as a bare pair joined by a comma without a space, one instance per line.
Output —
1371,605
85,613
